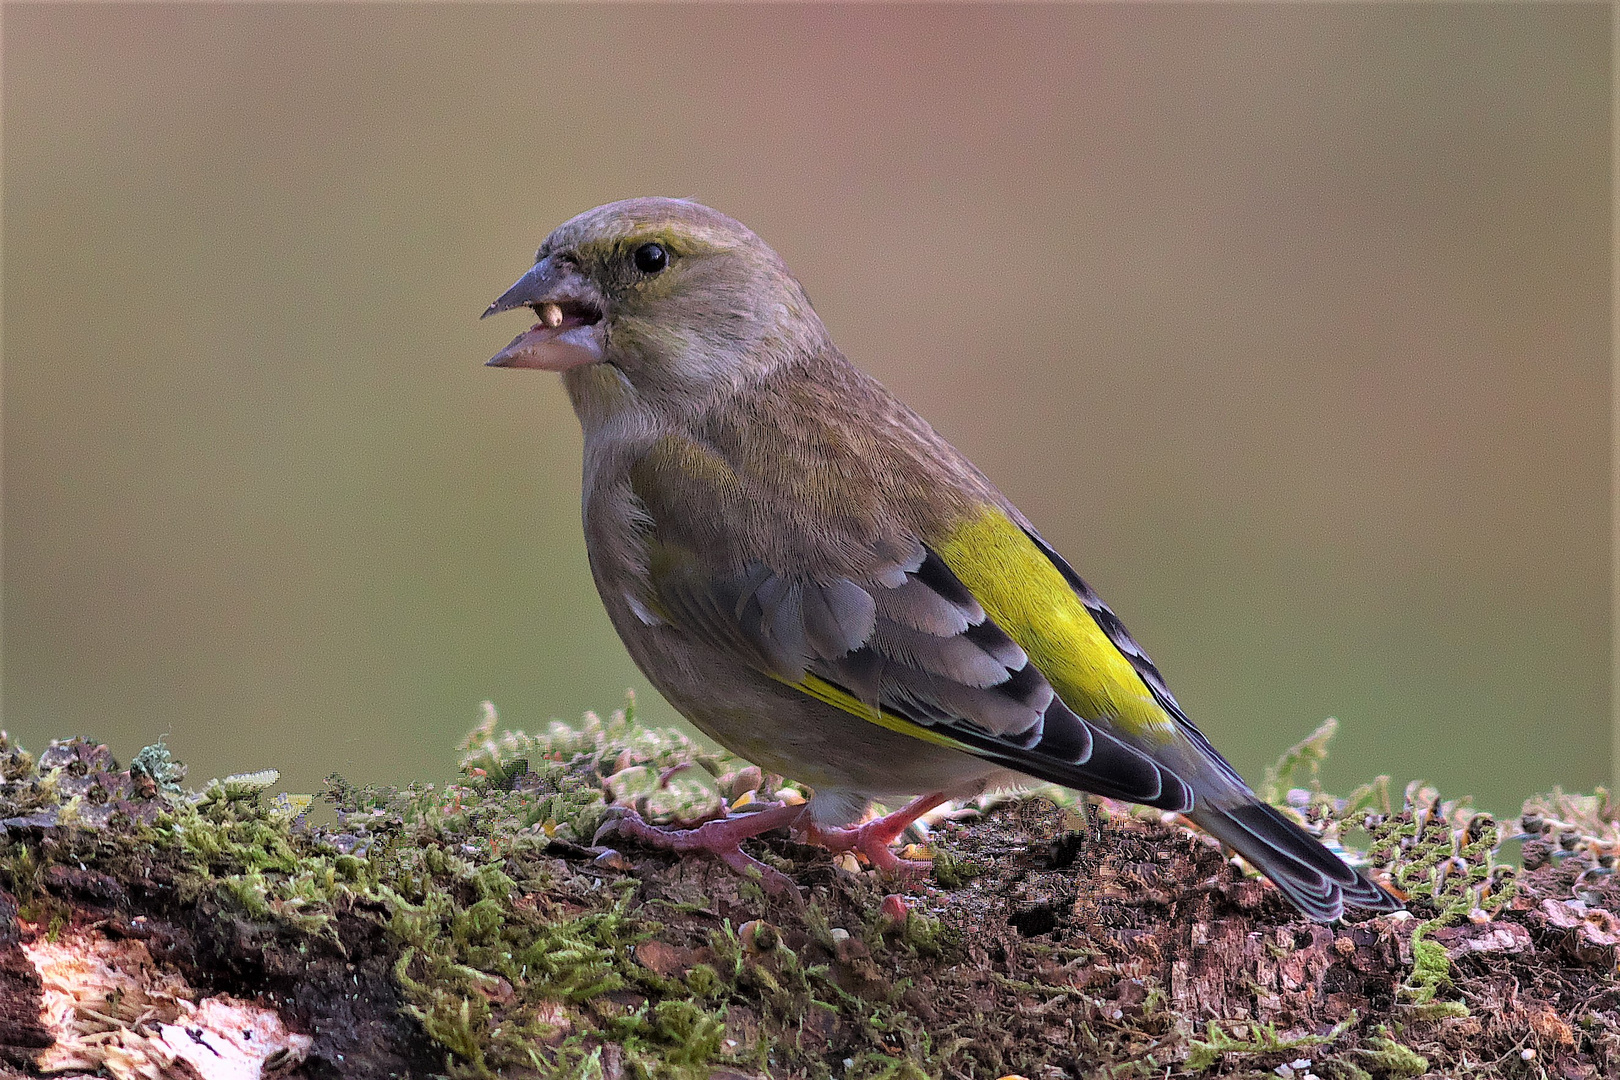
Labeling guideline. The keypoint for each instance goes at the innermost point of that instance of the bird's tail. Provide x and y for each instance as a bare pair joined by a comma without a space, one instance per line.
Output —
1316,880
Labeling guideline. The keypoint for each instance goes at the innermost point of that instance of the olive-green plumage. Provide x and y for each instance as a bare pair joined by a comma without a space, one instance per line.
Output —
816,579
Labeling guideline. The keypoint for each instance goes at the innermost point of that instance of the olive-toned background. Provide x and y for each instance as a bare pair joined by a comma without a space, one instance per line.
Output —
1288,325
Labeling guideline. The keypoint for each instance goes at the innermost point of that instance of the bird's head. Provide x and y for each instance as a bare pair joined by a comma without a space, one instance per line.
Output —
675,297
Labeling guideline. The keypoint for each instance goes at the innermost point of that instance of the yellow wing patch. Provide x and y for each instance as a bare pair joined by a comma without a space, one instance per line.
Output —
1028,598
822,690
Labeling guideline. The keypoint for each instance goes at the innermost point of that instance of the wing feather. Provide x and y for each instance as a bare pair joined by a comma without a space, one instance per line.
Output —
912,644
838,618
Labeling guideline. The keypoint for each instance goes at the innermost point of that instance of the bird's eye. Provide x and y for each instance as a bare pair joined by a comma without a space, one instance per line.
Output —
651,258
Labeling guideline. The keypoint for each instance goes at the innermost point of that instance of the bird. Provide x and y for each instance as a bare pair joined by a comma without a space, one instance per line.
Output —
820,582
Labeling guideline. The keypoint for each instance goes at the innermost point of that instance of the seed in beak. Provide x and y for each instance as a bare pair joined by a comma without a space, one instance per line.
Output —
551,315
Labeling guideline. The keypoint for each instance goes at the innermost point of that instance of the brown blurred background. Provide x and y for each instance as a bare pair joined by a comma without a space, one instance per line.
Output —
1288,325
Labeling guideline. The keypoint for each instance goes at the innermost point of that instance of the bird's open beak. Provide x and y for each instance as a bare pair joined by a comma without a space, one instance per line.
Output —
570,331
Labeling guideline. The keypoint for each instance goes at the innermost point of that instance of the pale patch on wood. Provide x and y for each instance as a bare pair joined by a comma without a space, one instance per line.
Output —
111,1007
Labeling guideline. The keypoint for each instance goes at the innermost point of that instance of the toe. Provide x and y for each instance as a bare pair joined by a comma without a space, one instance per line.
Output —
617,819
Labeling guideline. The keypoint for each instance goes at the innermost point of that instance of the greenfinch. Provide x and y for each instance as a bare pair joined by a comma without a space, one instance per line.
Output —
825,586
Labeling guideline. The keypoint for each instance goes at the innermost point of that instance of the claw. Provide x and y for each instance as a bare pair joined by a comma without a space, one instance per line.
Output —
872,839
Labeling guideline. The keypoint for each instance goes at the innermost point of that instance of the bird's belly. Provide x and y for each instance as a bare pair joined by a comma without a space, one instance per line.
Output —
789,732
829,749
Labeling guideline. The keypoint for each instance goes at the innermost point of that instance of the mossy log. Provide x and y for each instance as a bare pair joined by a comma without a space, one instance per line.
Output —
472,930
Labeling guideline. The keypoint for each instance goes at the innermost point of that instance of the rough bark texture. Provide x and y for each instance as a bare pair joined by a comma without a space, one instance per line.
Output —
22,1033
473,931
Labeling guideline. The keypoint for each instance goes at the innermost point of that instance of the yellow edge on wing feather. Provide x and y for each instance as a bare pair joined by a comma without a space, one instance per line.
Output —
822,690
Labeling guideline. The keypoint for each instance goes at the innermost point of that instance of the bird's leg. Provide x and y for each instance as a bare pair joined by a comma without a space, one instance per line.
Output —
872,839
722,839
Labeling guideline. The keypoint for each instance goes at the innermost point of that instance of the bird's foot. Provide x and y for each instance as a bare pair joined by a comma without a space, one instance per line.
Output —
872,840
722,839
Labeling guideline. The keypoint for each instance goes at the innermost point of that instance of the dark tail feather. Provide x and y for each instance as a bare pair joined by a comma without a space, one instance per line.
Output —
1314,879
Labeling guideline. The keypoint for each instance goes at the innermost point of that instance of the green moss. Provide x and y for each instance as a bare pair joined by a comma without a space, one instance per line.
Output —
952,871
1301,762
1442,856
925,936
1261,1039
1386,1055
1431,968
517,961
1341,1069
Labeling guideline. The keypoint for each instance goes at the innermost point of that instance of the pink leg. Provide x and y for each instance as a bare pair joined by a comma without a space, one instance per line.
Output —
872,839
721,839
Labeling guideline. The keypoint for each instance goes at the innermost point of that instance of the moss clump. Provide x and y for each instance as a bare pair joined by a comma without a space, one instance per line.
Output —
952,872
1442,857
1391,1058
156,768
1258,1039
